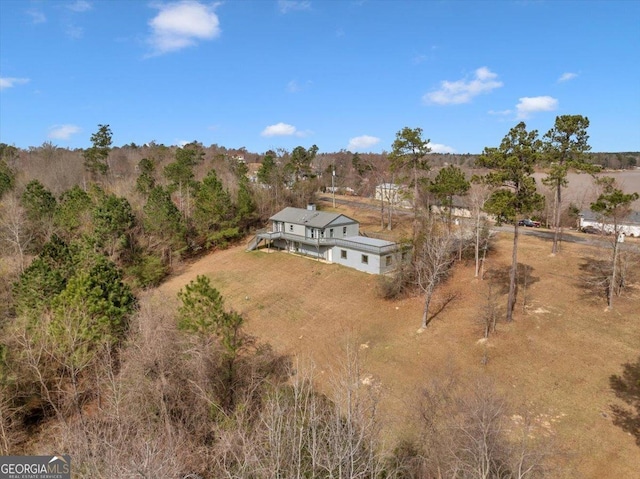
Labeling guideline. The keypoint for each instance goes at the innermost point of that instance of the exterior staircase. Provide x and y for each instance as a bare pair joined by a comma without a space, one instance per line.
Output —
253,244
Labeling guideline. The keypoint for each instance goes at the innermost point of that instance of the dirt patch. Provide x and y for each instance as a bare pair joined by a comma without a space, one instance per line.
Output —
554,359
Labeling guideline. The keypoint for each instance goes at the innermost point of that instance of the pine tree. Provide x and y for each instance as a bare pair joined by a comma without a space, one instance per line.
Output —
162,220
409,157
181,177
565,147
113,219
449,182
146,181
73,214
7,178
245,204
512,165
214,211
96,158
202,313
614,205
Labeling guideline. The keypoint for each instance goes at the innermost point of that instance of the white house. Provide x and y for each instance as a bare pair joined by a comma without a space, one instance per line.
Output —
629,225
332,237
394,194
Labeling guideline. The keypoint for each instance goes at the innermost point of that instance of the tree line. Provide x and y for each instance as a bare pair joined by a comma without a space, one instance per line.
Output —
178,202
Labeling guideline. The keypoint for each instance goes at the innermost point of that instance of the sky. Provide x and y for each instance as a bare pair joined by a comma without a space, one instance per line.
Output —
343,75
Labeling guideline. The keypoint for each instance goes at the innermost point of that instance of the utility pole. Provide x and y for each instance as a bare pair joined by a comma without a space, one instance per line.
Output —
333,186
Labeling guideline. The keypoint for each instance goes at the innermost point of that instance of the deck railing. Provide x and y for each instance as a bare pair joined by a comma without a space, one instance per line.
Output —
380,250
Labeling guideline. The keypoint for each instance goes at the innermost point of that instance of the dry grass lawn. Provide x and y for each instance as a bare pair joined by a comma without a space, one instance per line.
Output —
553,360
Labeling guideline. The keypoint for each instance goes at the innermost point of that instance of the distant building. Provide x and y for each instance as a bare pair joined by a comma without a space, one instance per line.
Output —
394,194
332,237
629,225
340,190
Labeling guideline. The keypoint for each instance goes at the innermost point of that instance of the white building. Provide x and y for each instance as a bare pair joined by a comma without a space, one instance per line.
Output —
394,194
629,225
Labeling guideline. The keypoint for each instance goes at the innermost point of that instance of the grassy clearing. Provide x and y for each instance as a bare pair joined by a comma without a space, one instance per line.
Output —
554,360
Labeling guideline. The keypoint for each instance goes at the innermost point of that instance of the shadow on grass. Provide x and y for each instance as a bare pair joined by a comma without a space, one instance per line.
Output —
626,387
449,298
500,277
594,278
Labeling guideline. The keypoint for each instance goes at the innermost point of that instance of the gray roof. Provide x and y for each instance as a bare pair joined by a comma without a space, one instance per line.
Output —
312,218
631,218
369,241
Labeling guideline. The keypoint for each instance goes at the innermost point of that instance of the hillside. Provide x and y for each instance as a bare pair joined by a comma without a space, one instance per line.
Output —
553,362
74,253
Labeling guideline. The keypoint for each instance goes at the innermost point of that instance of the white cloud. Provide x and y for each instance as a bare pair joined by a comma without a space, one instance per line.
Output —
6,82
70,28
360,143
293,86
181,24
528,105
79,6
287,6
62,132
463,91
440,148
73,31
37,16
483,73
279,129
567,76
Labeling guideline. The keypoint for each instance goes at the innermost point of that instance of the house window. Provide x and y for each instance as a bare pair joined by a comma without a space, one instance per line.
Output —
313,233
343,254
365,259
387,260
344,231
291,228
331,233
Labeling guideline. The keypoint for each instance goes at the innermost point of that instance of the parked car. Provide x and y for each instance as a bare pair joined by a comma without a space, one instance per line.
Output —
592,230
529,223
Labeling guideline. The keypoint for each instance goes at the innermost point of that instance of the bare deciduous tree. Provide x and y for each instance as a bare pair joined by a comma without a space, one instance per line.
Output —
467,432
10,433
614,205
303,433
433,259
14,229
478,196
489,312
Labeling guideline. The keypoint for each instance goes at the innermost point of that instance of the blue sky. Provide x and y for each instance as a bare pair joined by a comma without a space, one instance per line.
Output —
346,74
